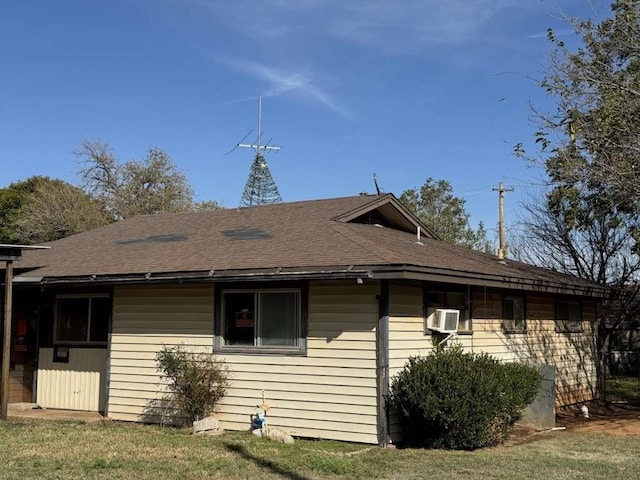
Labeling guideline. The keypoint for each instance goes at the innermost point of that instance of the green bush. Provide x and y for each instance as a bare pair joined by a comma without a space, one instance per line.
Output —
457,400
197,381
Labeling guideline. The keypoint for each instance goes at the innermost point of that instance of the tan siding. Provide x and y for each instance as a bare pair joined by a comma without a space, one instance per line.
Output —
77,385
406,326
144,320
329,393
571,353
406,335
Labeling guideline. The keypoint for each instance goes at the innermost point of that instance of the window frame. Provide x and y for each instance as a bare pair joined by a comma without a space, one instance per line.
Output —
88,342
465,314
219,322
561,324
513,327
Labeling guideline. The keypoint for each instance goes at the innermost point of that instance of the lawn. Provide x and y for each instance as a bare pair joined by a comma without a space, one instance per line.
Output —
625,389
113,450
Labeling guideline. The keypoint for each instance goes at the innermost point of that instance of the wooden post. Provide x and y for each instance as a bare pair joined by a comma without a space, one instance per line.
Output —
382,363
6,344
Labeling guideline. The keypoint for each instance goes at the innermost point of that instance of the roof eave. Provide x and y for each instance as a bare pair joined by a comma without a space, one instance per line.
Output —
409,272
211,276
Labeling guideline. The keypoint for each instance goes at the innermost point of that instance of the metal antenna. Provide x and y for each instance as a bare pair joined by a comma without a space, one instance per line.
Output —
375,182
258,147
260,187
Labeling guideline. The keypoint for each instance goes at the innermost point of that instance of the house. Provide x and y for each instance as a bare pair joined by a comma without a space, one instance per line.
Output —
315,304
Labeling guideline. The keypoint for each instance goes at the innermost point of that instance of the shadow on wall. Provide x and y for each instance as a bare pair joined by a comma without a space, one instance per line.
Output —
163,411
572,354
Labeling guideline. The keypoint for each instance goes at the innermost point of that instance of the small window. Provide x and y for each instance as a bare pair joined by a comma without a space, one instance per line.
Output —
454,300
568,316
82,319
513,314
267,319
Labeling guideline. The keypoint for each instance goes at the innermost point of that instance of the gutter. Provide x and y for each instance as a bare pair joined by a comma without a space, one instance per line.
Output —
410,272
378,272
208,276
27,280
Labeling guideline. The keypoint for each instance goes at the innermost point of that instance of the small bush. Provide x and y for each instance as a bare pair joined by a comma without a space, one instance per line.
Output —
197,381
457,400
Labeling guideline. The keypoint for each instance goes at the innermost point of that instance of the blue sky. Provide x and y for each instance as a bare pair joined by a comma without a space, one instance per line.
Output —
407,89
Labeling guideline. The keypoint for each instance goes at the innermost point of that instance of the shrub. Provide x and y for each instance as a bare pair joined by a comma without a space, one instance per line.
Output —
457,400
197,380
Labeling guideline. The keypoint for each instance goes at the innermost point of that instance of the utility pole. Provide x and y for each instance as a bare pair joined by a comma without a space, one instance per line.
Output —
502,249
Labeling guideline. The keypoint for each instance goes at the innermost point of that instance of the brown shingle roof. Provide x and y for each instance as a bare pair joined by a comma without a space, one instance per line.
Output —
290,236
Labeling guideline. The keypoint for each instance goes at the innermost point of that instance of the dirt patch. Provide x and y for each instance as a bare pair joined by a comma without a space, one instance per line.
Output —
615,419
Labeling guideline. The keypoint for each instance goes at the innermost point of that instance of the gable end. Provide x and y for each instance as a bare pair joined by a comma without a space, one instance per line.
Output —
387,211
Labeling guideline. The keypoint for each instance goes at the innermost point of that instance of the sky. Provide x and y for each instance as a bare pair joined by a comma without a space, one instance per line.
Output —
405,89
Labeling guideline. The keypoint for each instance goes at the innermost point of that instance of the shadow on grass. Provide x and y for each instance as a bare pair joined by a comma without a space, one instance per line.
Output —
263,463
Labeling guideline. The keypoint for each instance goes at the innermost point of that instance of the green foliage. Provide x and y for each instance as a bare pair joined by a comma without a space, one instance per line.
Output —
41,209
451,399
197,380
445,214
588,222
12,199
591,143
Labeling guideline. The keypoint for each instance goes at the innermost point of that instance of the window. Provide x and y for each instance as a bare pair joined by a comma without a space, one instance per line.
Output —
451,299
568,316
262,319
513,314
82,318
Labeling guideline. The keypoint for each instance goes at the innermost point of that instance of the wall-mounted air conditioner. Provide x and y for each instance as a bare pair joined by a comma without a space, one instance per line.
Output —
443,320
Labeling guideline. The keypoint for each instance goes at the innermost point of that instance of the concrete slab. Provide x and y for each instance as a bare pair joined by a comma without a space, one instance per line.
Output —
31,411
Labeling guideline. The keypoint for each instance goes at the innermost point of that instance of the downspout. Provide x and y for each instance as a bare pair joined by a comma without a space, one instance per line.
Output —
382,364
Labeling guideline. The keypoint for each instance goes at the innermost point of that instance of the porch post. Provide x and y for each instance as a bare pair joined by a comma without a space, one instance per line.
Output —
382,362
6,344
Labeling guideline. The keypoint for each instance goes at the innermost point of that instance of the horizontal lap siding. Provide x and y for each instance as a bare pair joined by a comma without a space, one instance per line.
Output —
329,393
145,320
406,336
406,326
570,353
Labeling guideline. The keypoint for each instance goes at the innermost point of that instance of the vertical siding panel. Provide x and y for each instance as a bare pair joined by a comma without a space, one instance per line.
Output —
73,385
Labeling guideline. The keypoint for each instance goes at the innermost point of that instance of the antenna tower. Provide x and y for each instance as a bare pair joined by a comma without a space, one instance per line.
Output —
260,188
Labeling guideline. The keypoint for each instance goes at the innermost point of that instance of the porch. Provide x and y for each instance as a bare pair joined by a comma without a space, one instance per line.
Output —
32,411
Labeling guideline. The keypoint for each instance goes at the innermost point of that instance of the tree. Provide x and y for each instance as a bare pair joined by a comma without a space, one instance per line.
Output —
444,213
592,138
587,224
56,210
41,209
12,199
148,186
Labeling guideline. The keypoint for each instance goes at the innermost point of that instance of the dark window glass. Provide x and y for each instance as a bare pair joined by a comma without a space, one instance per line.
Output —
569,316
279,319
513,314
239,318
73,319
100,313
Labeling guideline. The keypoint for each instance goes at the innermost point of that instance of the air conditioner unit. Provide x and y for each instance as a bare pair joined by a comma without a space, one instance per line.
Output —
443,320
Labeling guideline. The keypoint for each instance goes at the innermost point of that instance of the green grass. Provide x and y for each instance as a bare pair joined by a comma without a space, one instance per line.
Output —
125,451
623,389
